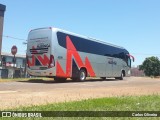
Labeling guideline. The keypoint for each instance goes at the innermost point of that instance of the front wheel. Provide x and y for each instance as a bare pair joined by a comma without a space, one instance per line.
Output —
122,75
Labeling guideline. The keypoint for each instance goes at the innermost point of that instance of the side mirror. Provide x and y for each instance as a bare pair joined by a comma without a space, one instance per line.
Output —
133,59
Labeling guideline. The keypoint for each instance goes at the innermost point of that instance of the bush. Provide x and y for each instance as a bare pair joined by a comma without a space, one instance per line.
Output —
151,66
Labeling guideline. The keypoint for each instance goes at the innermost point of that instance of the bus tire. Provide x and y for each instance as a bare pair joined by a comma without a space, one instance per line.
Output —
122,75
82,75
59,79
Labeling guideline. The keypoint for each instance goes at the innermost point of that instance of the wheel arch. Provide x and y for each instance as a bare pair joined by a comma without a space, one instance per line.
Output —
124,72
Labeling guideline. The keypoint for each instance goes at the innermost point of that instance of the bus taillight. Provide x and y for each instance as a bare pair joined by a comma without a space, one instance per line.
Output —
51,61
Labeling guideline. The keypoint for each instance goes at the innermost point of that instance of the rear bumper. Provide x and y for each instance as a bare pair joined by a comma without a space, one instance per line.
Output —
47,72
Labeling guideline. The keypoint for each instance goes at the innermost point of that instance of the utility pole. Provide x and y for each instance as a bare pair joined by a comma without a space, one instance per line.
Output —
2,10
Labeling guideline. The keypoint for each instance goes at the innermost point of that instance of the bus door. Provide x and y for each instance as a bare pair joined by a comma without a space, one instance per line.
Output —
109,68
116,67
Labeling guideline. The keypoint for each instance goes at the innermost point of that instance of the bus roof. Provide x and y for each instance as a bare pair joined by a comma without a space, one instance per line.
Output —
89,38
78,35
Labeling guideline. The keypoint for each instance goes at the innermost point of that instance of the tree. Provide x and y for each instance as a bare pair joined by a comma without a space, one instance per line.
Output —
151,66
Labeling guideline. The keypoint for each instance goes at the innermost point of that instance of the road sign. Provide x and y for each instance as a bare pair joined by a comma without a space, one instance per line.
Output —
14,50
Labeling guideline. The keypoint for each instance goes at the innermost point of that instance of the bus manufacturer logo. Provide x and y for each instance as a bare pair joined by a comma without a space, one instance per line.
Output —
43,45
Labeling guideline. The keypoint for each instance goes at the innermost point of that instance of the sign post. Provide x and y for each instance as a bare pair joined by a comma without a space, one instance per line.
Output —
2,10
14,51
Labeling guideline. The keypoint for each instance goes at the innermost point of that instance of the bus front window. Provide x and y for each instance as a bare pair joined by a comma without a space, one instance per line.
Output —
129,62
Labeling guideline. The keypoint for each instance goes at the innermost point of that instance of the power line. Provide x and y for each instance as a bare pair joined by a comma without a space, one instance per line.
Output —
7,36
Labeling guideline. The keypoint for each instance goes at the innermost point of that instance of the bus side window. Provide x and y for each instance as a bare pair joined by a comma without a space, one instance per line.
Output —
122,56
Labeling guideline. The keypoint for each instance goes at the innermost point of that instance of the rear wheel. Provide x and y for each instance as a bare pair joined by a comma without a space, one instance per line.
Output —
82,75
59,79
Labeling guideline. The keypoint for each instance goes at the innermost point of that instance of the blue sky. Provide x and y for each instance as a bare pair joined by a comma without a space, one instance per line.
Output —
133,24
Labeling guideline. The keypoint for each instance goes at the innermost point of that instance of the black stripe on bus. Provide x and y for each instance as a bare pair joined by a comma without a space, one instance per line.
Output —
93,47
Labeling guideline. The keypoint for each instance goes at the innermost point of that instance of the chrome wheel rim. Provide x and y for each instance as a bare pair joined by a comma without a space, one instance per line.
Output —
82,75
122,75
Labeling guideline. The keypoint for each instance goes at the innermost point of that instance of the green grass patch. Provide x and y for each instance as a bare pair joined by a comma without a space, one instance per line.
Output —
13,79
124,103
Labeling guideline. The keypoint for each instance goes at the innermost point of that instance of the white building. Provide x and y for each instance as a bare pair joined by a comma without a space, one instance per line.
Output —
7,60
9,68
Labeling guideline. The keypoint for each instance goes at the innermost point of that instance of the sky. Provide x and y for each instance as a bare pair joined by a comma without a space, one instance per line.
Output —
132,24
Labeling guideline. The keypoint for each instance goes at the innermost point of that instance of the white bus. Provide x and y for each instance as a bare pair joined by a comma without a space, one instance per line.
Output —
60,54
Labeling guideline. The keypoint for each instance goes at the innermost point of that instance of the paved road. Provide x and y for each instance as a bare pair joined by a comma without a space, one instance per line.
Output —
35,92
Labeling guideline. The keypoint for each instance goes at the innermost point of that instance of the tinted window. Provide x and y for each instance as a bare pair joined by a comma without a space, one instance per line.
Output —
129,62
88,46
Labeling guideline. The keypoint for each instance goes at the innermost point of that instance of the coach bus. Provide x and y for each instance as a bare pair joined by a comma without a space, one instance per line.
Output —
53,52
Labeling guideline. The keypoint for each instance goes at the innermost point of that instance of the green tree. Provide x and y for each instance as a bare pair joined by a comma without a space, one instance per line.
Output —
151,66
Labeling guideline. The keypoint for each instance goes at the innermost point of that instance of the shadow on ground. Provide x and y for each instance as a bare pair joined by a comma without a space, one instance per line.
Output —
67,81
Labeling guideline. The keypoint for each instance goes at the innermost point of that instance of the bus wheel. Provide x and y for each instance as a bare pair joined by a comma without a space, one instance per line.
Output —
122,75
82,75
58,79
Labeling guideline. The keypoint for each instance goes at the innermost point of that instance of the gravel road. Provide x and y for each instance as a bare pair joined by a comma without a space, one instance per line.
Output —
36,92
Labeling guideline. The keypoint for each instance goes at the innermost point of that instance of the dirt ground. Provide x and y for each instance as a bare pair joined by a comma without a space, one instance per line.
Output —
36,92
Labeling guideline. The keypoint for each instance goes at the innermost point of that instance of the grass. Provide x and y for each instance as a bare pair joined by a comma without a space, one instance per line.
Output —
12,79
130,103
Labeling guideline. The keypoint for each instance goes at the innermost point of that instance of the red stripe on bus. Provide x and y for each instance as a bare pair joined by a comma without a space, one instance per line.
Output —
89,67
32,63
44,60
71,51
